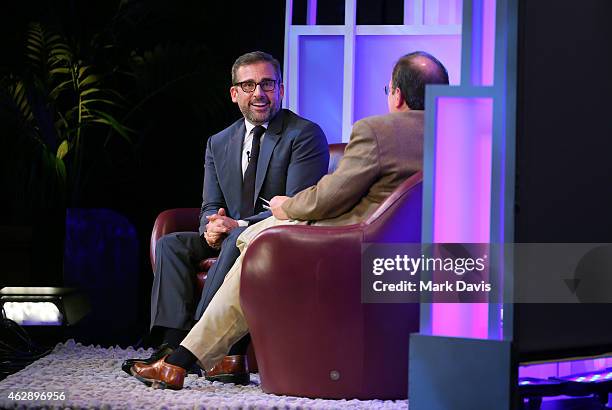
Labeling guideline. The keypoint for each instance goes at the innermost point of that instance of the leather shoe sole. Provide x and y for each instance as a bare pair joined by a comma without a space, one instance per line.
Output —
156,384
243,379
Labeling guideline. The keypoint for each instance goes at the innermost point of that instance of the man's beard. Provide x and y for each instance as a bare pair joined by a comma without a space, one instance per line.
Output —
259,118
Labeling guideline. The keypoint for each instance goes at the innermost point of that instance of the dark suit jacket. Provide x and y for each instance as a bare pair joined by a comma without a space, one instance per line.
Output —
293,156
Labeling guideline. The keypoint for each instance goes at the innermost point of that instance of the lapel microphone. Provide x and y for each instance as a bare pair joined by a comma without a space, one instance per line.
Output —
248,156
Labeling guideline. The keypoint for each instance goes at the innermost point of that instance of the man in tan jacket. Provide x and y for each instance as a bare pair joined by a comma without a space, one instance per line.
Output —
383,151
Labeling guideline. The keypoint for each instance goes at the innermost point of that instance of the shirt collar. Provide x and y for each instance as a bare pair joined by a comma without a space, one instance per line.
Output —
249,126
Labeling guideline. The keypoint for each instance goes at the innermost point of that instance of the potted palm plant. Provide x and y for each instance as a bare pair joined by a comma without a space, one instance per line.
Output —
58,102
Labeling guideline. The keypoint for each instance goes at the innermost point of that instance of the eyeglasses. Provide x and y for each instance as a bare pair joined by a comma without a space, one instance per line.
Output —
250,85
387,90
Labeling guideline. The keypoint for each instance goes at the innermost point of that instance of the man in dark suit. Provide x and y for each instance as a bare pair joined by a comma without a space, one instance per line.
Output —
269,152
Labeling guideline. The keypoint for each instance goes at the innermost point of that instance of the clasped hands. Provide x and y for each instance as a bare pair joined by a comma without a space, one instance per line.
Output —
219,224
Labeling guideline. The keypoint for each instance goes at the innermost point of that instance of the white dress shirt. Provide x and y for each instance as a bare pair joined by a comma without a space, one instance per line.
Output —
247,144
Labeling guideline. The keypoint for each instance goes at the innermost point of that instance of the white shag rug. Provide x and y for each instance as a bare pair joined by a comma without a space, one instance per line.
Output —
91,378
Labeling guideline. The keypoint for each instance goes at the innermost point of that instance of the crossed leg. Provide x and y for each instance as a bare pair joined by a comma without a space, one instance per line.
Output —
223,322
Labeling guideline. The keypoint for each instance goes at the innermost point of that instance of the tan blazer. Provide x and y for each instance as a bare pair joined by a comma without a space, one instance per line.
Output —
383,151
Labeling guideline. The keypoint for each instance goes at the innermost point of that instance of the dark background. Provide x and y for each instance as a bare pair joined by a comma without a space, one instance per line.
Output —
563,160
193,45
96,238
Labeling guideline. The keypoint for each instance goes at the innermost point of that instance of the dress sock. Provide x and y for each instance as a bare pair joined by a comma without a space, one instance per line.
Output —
182,357
174,337
240,347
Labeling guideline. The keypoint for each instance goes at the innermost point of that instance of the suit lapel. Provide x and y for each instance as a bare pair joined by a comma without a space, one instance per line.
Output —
271,138
233,166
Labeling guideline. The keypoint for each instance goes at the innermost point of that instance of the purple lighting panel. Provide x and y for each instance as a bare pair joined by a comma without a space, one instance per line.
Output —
462,192
321,65
482,64
385,50
488,42
442,11
463,169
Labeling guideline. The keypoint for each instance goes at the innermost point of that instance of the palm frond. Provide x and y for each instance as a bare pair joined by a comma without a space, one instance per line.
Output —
62,150
15,88
45,49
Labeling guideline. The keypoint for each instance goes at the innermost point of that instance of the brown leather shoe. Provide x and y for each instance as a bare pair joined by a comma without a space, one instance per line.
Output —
160,375
232,369
163,350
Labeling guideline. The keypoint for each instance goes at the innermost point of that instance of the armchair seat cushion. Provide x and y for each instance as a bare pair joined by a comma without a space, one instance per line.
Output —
206,264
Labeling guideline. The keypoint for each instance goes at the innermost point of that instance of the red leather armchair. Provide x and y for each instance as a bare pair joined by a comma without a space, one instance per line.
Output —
187,220
301,294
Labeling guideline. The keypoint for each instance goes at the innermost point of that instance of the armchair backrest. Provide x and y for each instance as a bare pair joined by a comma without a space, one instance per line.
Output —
336,151
398,218
173,220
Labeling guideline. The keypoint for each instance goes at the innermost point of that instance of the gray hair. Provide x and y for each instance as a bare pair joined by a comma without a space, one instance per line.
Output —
256,57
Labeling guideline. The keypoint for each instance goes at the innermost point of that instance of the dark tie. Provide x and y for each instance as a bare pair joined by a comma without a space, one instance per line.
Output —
248,182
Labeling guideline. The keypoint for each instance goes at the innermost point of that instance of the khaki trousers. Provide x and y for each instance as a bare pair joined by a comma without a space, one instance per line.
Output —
223,322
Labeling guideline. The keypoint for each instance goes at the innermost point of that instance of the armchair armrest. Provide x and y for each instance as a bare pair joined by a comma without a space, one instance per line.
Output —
173,220
295,261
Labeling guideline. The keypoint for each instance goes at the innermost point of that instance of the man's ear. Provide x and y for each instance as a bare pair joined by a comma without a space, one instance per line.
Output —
281,90
234,94
398,99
